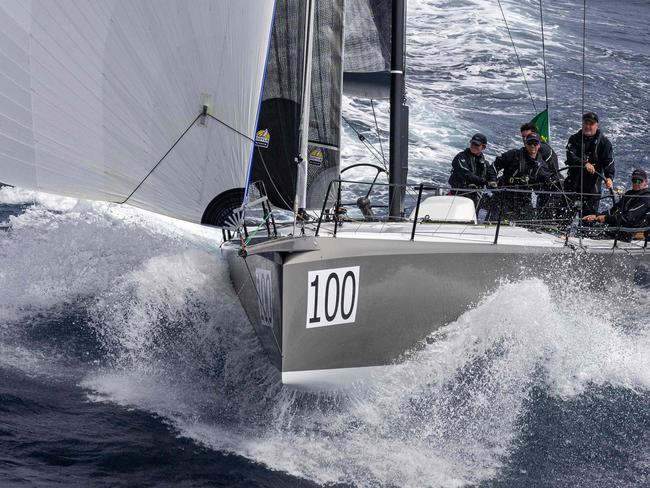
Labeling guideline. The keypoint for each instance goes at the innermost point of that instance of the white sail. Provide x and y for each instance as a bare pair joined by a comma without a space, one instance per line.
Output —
93,93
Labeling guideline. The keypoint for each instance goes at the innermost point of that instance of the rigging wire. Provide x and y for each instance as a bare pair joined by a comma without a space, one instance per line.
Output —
380,157
288,205
374,115
541,21
202,114
582,150
373,150
163,158
230,127
517,55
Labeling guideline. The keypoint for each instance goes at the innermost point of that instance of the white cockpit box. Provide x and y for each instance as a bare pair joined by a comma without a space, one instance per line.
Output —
447,209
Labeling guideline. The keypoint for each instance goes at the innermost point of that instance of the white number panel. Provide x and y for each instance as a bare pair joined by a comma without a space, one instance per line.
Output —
264,296
332,296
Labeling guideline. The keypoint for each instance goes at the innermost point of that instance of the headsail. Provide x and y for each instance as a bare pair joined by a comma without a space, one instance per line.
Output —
277,131
93,94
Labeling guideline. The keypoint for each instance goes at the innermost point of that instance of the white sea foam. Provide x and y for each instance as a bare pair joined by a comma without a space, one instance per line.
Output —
179,345
447,416
17,196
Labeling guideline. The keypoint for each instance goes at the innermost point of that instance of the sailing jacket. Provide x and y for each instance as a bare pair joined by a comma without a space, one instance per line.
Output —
468,169
552,165
598,151
519,168
633,210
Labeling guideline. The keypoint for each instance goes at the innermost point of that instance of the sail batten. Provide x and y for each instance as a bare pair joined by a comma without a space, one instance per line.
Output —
93,94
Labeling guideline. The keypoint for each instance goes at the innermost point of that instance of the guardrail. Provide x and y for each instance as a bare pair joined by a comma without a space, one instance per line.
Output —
567,223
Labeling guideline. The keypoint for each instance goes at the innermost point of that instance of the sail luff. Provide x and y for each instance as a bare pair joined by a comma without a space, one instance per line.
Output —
249,170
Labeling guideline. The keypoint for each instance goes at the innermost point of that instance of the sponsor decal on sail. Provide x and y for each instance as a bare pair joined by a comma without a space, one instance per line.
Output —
262,138
316,156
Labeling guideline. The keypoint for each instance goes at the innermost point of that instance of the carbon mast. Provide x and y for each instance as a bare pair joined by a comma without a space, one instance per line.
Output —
399,113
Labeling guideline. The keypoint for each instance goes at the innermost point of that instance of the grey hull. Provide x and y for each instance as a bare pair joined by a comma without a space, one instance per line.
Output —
406,290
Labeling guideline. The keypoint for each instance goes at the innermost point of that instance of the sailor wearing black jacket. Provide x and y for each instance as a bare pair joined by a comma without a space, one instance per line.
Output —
596,165
470,169
548,154
525,166
632,210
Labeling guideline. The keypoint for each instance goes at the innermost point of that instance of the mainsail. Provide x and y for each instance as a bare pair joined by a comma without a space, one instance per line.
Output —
277,131
367,48
96,94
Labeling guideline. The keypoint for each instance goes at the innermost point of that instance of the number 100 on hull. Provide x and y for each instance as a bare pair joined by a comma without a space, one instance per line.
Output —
332,297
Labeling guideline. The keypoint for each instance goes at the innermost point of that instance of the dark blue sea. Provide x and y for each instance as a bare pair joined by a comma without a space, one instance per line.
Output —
126,359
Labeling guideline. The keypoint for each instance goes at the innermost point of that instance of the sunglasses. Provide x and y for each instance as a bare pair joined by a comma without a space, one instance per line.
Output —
532,143
637,181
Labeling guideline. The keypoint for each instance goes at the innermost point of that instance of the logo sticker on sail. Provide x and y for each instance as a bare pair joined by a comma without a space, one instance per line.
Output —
262,138
316,156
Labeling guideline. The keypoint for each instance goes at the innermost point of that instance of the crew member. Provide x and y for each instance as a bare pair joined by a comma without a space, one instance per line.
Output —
632,210
548,205
523,168
589,166
548,154
470,169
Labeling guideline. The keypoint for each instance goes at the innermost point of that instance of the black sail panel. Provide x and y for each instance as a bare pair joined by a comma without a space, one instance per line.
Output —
326,94
277,143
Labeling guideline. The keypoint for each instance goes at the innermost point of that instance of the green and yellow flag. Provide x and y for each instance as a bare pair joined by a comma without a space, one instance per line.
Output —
541,122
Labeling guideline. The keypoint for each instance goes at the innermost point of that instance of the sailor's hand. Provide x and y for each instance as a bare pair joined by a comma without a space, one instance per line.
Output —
594,218
609,183
590,168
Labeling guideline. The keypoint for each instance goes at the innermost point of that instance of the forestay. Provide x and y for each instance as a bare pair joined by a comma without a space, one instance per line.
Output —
94,93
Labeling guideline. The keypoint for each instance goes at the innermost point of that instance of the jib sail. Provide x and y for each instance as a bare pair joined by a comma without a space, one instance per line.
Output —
277,144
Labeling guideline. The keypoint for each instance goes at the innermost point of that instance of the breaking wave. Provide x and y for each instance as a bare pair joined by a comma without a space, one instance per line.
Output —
142,314
450,415
139,311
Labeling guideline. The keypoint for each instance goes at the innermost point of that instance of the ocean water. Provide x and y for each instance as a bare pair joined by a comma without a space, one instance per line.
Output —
126,359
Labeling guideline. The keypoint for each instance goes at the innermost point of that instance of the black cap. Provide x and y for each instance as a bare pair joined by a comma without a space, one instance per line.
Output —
533,136
590,116
478,138
639,173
